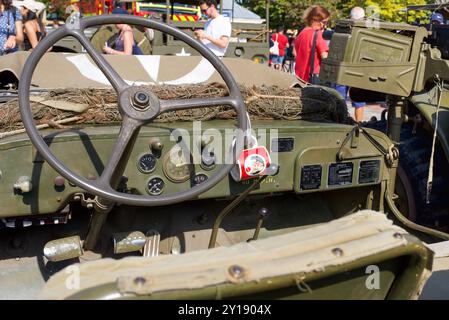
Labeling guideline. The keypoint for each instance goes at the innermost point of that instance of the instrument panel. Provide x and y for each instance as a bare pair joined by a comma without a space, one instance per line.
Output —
306,155
177,167
315,168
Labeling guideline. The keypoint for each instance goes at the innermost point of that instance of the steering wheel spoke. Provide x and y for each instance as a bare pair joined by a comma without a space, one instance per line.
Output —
182,104
114,78
120,153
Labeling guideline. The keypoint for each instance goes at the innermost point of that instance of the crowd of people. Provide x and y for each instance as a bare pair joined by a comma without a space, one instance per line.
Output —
309,48
20,25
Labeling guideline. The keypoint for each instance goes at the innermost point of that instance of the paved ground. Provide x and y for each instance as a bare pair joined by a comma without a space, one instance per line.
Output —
437,287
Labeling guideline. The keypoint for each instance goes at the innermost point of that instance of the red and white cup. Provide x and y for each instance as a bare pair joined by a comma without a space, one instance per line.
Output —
252,163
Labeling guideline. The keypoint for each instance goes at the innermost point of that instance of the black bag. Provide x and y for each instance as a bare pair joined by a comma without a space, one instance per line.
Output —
313,77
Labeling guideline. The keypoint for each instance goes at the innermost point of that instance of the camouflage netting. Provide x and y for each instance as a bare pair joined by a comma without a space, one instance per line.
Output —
99,106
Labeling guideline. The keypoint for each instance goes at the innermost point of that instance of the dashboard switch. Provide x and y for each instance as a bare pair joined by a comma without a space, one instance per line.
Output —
156,145
59,181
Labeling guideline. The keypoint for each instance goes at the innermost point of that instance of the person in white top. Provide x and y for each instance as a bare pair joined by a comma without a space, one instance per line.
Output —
217,29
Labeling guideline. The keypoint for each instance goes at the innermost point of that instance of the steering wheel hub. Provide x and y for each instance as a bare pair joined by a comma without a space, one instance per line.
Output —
139,103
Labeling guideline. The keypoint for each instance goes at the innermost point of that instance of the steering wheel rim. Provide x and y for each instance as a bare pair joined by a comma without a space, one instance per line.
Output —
132,117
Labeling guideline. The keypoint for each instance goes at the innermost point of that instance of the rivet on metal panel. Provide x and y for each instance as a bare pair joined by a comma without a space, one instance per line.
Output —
397,235
337,251
140,281
236,271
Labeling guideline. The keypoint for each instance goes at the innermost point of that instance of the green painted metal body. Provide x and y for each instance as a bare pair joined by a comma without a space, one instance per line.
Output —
375,59
427,103
248,41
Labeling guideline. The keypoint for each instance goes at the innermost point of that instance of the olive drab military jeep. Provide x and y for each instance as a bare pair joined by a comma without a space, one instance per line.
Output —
171,177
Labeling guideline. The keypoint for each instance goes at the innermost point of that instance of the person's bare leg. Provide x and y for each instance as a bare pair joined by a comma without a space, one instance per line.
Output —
358,114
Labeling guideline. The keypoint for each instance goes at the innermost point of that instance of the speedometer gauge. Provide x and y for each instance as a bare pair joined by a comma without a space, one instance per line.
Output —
176,165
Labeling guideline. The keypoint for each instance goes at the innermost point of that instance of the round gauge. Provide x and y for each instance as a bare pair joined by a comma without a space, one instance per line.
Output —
199,178
155,186
176,165
147,163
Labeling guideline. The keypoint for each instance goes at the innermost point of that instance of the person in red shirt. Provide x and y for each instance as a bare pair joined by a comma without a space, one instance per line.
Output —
315,18
282,44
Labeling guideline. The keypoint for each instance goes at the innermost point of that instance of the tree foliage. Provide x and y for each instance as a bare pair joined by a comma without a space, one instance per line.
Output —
289,12
385,10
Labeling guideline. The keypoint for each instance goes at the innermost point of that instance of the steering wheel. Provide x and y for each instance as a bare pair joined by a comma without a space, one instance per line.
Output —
137,105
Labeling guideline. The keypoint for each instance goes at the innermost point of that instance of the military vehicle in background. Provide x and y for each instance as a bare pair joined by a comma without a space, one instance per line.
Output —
122,191
54,19
407,66
249,39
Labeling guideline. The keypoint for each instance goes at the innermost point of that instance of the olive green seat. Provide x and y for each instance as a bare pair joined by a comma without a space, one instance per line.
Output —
361,256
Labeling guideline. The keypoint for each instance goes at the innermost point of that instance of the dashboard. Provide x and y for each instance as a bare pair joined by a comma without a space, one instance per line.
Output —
162,162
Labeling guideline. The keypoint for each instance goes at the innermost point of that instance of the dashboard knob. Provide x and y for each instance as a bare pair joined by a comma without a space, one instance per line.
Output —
156,145
59,181
264,212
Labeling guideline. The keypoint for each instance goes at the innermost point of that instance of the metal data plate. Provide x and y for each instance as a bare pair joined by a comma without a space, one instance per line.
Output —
340,174
369,171
311,177
282,144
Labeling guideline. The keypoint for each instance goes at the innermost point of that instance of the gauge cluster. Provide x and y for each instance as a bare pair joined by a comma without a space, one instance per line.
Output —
173,166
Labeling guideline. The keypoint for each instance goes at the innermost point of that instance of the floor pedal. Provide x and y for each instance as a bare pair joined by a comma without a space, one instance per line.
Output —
151,248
